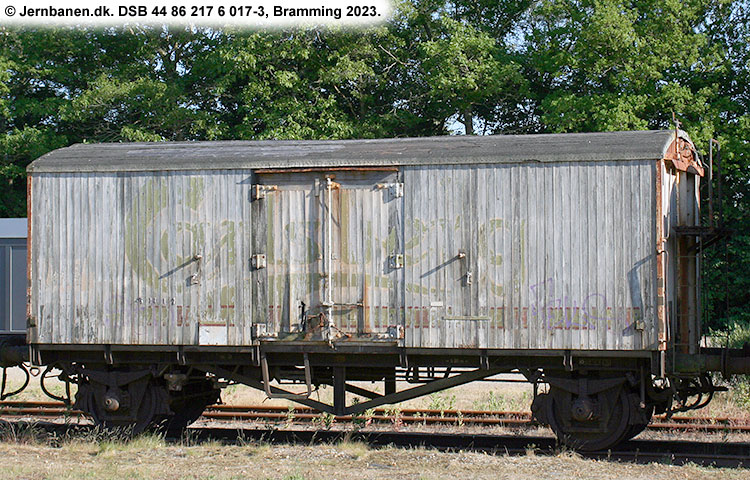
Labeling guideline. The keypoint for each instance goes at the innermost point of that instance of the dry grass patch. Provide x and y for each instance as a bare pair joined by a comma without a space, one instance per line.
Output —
150,457
357,450
145,442
22,433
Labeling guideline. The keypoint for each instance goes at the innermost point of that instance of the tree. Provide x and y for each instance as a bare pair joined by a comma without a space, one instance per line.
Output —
727,282
508,66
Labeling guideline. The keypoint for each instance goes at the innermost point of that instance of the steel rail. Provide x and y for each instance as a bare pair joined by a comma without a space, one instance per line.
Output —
280,414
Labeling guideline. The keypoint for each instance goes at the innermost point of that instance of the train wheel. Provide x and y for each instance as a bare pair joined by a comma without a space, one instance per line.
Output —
637,428
133,422
188,405
589,423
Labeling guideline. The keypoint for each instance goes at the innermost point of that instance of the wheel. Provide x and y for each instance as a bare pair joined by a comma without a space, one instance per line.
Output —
133,422
187,405
637,428
589,423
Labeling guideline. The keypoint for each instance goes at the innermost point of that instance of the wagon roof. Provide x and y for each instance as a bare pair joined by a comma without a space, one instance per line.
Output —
564,147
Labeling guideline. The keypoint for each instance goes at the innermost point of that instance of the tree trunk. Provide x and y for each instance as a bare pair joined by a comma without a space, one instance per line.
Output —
468,121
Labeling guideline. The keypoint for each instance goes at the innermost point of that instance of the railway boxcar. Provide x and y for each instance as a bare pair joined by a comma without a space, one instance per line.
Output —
13,276
159,272
13,281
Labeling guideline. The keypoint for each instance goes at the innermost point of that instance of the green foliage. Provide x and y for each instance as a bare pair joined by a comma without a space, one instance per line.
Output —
484,66
617,65
737,335
465,69
492,401
442,402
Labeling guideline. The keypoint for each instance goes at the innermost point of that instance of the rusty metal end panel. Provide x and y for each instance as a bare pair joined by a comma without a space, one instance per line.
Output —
660,258
682,155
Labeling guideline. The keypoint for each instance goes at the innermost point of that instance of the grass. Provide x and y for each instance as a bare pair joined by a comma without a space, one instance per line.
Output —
116,446
740,384
735,336
497,401
355,449
22,433
441,401
28,453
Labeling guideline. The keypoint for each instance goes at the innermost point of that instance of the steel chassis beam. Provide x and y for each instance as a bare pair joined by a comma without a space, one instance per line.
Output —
255,383
340,387
426,389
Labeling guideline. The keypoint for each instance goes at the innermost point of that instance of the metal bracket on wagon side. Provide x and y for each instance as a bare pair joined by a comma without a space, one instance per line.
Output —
395,190
396,261
258,261
258,191
288,396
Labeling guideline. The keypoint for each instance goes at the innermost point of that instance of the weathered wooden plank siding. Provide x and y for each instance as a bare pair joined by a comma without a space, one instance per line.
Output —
114,255
293,216
560,256
515,255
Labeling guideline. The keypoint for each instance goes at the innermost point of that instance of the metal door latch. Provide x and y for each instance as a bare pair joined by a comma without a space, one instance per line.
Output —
258,261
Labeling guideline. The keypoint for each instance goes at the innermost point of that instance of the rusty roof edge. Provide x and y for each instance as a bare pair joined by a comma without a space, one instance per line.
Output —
681,134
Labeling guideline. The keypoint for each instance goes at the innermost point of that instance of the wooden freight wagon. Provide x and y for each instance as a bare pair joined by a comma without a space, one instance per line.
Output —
158,269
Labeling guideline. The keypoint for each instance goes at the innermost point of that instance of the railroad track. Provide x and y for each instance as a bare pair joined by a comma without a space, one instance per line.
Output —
717,454
303,415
